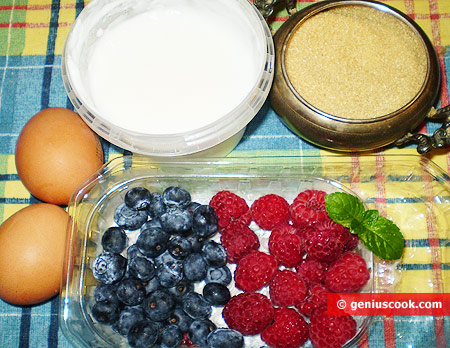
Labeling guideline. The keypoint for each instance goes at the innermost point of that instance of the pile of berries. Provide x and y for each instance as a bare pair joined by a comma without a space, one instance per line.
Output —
308,256
146,290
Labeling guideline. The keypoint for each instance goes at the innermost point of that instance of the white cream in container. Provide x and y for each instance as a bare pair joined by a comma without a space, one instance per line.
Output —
169,77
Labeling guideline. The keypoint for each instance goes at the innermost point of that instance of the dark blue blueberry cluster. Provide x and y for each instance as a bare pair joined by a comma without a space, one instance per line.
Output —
146,290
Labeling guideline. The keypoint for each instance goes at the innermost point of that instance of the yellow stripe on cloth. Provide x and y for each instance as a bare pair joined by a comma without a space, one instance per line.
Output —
37,27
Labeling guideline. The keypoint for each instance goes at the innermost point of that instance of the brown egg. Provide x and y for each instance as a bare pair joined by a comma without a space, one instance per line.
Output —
55,153
32,243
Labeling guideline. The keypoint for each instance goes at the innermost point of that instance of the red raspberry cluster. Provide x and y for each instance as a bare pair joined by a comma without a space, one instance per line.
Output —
309,256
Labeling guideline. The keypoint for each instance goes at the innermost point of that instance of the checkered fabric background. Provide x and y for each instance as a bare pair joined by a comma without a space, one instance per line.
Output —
32,36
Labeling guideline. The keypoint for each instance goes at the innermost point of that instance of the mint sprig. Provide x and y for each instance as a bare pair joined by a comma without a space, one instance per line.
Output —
379,235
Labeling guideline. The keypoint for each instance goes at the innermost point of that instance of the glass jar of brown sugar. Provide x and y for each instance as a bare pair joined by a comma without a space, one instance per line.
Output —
355,75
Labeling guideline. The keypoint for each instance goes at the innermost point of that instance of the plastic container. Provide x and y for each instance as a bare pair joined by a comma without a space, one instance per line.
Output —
214,139
92,210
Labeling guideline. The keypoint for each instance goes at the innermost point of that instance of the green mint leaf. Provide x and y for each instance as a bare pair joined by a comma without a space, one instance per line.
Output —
379,235
344,208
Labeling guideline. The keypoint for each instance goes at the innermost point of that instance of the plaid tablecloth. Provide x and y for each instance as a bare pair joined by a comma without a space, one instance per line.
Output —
32,35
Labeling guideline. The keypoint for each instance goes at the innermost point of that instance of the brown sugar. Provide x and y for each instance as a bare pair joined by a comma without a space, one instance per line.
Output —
356,62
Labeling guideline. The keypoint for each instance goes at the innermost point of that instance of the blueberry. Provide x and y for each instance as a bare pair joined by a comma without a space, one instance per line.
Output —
179,247
129,219
127,318
158,306
131,291
180,318
170,273
225,338
199,331
157,207
151,224
142,268
175,196
182,288
214,254
106,292
105,312
217,294
171,336
205,221
220,275
195,267
152,242
108,268
138,198
133,251
164,258
192,206
196,242
176,220
114,240
152,285
143,334
196,306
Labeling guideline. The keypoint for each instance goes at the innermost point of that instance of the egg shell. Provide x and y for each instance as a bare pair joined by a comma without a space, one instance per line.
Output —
55,153
32,245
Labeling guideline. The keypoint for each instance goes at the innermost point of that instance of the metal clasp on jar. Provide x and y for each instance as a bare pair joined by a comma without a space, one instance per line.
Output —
266,7
439,139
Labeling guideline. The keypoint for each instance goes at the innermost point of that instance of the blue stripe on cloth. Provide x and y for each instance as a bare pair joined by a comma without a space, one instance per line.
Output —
411,329
39,325
25,323
14,200
447,331
9,177
38,334
54,324
425,243
79,7
280,138
421,267
376,333
10,324
50,56
26,61
21,100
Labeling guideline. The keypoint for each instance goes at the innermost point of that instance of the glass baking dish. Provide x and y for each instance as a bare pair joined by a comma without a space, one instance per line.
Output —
410,190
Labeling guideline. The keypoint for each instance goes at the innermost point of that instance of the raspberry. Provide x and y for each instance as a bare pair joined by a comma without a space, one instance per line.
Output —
352,242
238,240
315,297
269,211
287,288
289,330
312,271
228,206
246,218
327,331
254,271
348,274
286,245
248,312
323,243
308,208
342,233
186,342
